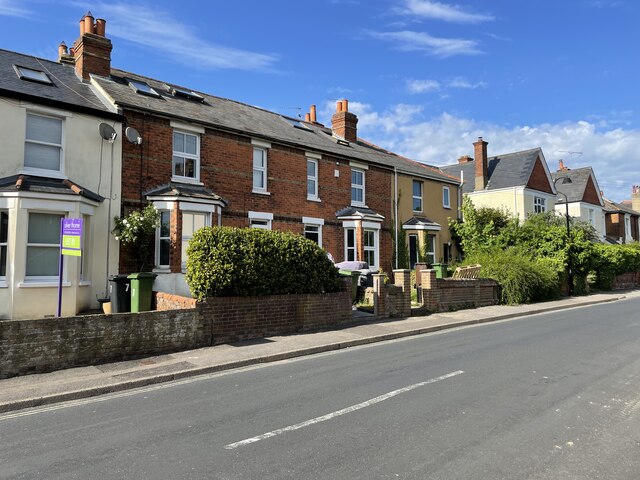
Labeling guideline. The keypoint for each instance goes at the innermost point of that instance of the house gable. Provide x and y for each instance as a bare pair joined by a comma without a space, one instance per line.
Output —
539,178
591,193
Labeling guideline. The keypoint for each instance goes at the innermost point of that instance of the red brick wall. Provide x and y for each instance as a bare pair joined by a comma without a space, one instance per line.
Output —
166,301
538,179
226,168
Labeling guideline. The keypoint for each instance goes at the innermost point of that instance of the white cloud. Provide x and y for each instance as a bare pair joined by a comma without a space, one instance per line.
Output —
441,140
428,85
10,8
423,42
443,11
159,31
422,86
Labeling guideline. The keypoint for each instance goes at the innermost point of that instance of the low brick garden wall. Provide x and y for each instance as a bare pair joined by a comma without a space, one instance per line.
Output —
626,280
179,323
445,294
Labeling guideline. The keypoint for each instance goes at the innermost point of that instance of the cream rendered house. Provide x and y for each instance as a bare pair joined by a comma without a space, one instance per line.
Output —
518,182
55,164
583,195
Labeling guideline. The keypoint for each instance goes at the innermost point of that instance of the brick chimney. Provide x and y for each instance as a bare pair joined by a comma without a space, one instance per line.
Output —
562,167
465,159
480,152
635,198
344,124
92,50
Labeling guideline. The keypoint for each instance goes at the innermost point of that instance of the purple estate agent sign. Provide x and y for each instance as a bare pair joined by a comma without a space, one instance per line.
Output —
72,237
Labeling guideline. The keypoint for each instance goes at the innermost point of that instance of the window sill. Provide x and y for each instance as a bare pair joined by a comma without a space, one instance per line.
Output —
4,284
448,207
363,205
41,172
84,283
162,270
314,199
188,180
260,192
42,284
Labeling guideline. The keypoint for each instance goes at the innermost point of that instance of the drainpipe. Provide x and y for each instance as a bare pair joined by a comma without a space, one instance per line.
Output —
395,180
460,195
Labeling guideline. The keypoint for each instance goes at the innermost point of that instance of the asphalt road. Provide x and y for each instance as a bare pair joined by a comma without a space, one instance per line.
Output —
551,396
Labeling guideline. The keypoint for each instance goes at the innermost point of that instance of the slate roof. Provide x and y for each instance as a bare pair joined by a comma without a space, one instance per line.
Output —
245,119
613,207
21,183
66,91
172,189
360,211
576,189
420,222
504,171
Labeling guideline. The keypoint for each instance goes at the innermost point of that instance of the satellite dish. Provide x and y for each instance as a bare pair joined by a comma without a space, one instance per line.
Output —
133,136
107,132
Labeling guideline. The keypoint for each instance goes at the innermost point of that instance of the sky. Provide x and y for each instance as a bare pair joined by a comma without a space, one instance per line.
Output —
426,78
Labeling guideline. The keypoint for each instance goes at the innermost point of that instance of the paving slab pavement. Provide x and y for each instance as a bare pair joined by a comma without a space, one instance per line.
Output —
76,383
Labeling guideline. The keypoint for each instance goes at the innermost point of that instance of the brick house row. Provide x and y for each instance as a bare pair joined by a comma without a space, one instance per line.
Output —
205,160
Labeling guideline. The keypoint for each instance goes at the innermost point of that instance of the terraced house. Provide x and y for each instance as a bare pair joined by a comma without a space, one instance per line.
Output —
205,160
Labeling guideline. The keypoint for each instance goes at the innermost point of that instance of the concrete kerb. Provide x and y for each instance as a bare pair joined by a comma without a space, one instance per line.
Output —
168,377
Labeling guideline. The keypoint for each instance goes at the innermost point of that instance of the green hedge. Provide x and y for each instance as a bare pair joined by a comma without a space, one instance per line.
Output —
612,260
521,278
224,261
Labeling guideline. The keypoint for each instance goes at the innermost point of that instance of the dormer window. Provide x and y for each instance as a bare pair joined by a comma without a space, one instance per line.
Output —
142,88
32,75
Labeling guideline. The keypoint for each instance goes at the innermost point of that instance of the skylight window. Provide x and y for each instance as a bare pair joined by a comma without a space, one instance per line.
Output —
297,124
32,75
183,92
142,88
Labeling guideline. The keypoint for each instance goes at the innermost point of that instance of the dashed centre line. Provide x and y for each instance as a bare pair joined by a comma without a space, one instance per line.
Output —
338,413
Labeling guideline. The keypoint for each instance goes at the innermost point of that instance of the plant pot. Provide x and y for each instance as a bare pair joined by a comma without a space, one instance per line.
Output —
105,303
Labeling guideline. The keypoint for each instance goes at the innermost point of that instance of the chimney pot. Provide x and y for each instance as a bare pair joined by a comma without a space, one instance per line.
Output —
339,106
88,23
101,27
62,50
345,105
312,113
307,117
82,26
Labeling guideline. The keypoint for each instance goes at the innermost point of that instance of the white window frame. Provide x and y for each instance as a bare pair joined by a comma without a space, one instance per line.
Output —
262,169
186,156
430,253
313,223
41,278
373,249
539,204
592,216
415,197
45,171
261,220
347,249
356,186
446,197
187,238
4,245
312,195
160,238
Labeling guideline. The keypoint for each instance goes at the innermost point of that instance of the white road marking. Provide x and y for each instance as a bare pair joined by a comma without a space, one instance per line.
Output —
338,413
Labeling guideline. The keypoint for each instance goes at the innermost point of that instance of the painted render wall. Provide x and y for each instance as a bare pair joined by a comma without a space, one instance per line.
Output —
84,165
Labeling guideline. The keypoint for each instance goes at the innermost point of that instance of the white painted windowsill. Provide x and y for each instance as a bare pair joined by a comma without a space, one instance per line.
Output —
314,199
41,284
4,284
260,192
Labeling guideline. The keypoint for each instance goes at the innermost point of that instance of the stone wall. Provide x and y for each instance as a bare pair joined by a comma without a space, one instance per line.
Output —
180,323
626,280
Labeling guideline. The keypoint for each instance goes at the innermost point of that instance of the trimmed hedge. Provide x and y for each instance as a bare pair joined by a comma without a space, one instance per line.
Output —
225,261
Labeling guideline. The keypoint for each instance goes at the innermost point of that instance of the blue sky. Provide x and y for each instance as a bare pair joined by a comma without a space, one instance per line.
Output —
426,78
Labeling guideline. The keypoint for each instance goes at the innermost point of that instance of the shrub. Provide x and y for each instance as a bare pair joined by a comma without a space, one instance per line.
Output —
612,260
136,231
522,279
224,261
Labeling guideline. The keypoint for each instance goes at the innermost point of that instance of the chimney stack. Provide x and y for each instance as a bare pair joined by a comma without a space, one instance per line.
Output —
465,159
92,51
482,169
344,124
635,198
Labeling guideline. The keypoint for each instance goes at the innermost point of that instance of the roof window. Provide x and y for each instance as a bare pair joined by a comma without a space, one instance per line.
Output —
32,75
297,124
183,92
142,88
